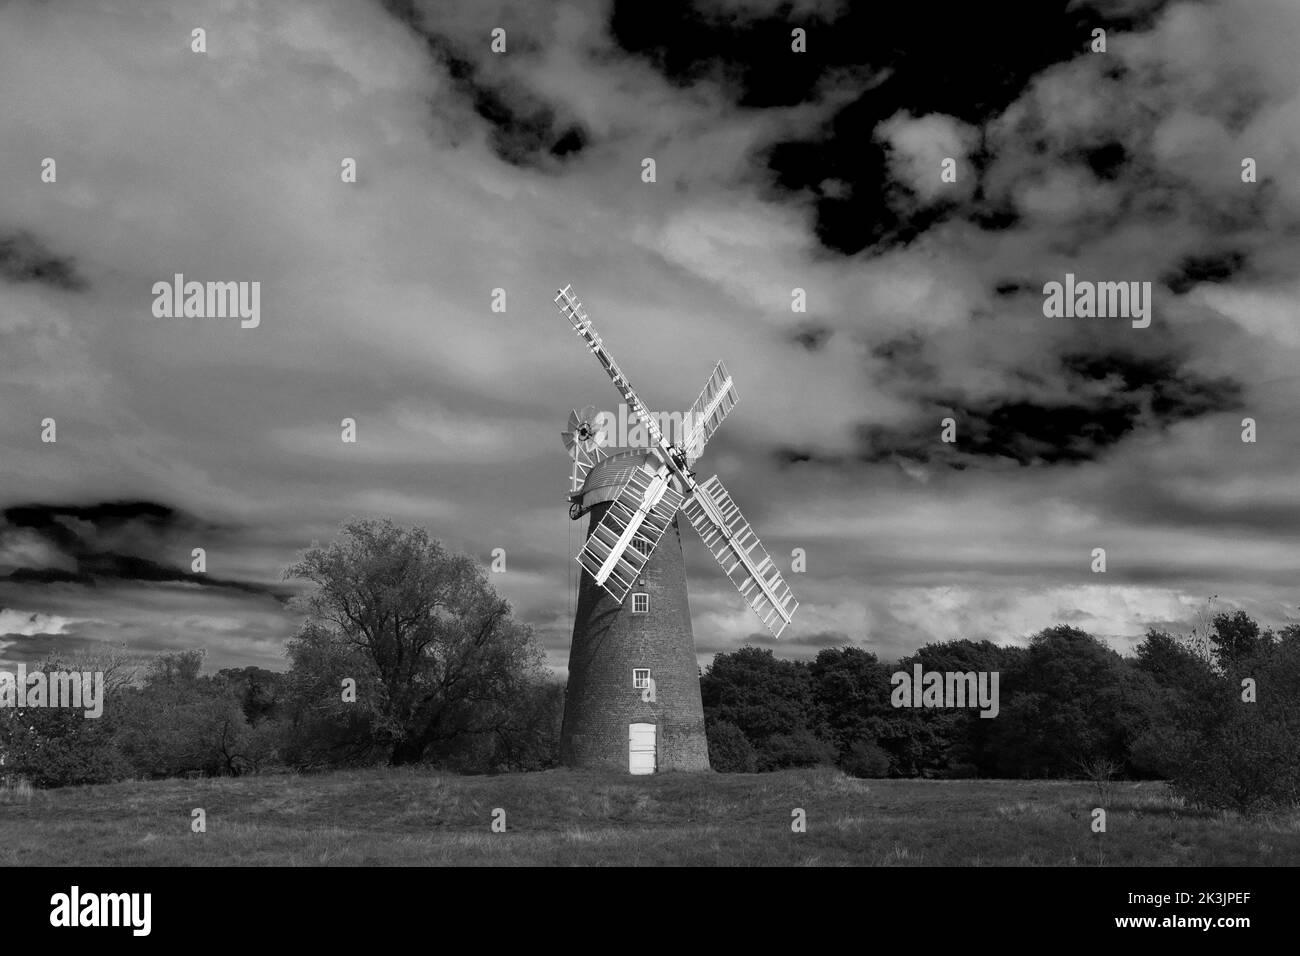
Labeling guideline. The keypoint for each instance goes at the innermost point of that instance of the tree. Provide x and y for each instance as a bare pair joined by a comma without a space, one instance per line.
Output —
850,694
949,742
729,750
438,650
529,738
1184,685
1241,754
176,669
60,746
866,759
176,721
260,690
1237,639
757,692
327,726
180,721
1074,699
770,702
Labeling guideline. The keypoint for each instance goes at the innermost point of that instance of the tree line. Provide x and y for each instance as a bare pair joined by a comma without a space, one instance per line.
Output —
1220,721
407,655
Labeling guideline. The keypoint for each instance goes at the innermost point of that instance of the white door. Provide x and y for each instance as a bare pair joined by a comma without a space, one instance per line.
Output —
641,748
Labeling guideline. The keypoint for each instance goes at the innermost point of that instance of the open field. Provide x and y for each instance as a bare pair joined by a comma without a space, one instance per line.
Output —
420,817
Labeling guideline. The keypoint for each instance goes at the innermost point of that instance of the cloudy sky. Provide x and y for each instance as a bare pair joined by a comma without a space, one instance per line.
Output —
775,170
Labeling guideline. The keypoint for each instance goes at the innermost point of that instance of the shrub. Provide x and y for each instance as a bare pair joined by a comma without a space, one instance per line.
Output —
729,749
799,748
865,758
1243,754
60,746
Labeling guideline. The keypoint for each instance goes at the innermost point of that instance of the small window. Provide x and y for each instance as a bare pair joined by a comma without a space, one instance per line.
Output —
640,603
641,545
640,677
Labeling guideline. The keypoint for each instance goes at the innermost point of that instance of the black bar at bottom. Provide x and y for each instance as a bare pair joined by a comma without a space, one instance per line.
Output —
920,905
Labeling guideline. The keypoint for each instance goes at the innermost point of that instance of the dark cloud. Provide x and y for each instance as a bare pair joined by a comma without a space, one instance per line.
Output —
903,358
101,543
572,140
1210,267
24,258
994,216
969,61
688,43
1106,161
49,576
792,455
1174,395
812,336
524,130
50,520
1141,394
1032,434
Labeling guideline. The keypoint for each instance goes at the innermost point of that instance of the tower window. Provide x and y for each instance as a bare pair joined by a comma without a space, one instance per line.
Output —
640,677
640,602
642,545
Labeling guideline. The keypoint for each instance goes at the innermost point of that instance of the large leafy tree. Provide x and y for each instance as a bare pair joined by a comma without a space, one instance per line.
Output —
1240,747
1072,701
770,701
850,693
181,721
60,746
757,692
950,741
437,653
1183,690
1237,640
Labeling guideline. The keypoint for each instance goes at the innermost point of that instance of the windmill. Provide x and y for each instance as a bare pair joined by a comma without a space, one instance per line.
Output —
633,697
584,440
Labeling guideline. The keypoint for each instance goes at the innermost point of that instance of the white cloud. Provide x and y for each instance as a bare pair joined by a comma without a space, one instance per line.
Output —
29,623
919,145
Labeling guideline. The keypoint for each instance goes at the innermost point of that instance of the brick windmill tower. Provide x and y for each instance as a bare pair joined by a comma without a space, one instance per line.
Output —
633,698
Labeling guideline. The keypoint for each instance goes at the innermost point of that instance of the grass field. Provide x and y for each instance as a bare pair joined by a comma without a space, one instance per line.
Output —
419,817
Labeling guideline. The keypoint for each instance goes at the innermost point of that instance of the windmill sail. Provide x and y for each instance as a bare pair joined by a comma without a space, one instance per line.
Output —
715,402
742,556
572,309
641,513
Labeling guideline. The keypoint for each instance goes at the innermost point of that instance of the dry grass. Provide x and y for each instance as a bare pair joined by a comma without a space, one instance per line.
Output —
420,817
16,790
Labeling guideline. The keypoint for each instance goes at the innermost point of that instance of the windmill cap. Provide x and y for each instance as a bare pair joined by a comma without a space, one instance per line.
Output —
608,476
